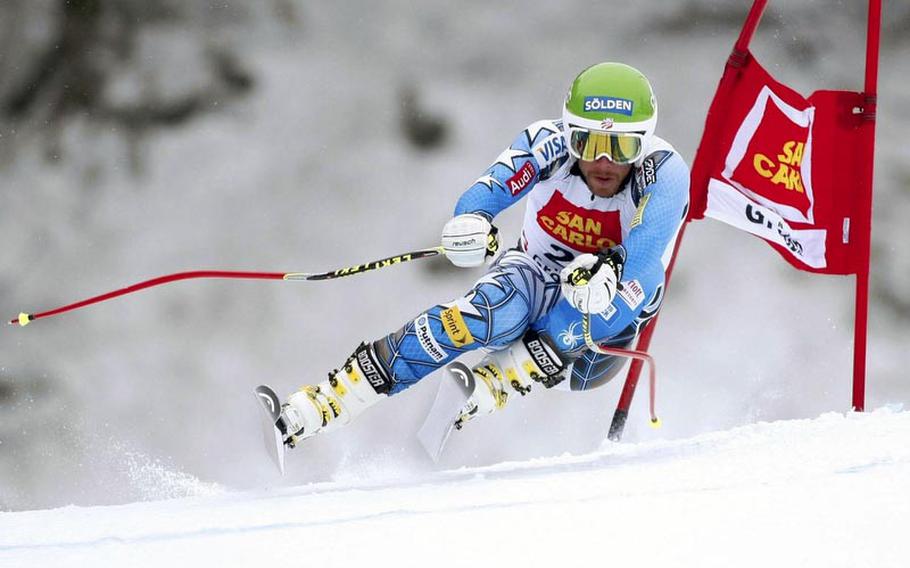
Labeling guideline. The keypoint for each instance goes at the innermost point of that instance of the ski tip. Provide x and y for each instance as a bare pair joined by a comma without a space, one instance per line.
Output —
274,439
269,400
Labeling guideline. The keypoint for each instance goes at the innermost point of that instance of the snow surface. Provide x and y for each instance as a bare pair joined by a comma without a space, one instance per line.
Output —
832,491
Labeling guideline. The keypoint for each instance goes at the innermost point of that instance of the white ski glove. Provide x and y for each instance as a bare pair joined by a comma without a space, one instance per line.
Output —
589,282
468,239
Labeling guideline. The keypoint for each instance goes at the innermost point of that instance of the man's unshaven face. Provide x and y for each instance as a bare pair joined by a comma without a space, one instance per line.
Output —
604,178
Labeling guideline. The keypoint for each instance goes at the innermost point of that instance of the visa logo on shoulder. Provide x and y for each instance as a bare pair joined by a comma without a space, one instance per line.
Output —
608,104
553,147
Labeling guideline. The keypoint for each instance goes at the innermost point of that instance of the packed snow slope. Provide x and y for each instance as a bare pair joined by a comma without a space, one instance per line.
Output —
832,491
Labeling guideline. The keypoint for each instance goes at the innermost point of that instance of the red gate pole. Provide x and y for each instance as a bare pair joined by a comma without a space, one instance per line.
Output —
860,326
751,24
740,50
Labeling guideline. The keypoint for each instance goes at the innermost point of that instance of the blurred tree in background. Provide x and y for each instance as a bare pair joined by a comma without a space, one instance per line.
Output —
109,61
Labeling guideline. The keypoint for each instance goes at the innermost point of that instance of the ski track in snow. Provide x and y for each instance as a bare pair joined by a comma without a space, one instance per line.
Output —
832,491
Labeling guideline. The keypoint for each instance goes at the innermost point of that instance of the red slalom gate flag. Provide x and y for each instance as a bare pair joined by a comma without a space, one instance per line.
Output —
795,171
785,168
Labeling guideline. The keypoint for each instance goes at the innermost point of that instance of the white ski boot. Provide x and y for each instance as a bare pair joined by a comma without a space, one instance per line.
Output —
334,402
511,370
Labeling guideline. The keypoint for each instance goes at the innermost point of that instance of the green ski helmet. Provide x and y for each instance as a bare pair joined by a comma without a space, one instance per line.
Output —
611,112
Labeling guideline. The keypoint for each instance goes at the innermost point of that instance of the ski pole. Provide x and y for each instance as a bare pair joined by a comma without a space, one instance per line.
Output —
26,318
629,353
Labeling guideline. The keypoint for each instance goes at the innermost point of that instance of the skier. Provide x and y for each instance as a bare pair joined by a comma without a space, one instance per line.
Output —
605,201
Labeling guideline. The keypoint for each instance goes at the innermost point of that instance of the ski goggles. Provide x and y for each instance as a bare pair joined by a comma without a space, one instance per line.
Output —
618,147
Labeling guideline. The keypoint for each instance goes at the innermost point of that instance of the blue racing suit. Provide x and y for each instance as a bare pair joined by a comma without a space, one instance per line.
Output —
521,290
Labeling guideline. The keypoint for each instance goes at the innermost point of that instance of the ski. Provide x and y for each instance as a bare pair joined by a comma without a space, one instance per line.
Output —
274,439
454,391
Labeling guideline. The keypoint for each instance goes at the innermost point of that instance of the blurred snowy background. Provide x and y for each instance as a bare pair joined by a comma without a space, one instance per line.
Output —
142,137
